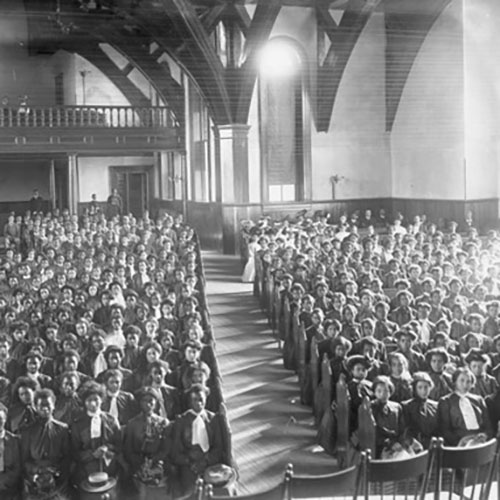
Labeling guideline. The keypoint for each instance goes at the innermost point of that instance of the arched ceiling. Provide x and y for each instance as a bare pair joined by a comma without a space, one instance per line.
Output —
188,30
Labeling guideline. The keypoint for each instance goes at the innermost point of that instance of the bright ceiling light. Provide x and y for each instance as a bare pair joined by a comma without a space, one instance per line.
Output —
279,58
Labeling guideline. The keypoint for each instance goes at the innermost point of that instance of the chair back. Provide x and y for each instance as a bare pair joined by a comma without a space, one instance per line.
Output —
269,295
326,387
197,493
336,485
286,319
466,472
366,426
279,492
343,419
404,479
314,364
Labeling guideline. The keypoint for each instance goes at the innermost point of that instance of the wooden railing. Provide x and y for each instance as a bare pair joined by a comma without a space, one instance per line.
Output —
76,117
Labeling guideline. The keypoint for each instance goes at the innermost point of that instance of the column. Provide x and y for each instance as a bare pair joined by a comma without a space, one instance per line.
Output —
232,181
233,152
73,183
52,184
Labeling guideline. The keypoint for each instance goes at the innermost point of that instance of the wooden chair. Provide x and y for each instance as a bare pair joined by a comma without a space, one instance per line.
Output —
288,344
296,331
401,479
276,307
343,411
278,492
314,373
323,392
269,296
366,426
197,493
337,485
466,473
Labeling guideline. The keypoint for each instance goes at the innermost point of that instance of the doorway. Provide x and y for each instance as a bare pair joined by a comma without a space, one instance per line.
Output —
133,185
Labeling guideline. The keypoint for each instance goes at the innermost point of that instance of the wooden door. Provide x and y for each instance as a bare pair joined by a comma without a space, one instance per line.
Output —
137,193
132,184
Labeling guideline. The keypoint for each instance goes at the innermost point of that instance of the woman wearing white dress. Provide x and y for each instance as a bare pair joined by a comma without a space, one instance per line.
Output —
249,270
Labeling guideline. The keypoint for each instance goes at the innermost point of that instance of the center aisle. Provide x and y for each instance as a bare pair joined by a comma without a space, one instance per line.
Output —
270,428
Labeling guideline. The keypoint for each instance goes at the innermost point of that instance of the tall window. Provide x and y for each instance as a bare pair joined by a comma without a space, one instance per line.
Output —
281,123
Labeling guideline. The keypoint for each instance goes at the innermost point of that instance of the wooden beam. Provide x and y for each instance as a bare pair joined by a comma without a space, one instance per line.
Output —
139,57
326,20
242,18
213,17
343,40
94,54
204,53
241,81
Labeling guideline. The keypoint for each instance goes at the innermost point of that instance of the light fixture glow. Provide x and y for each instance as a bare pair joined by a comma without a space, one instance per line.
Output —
279,58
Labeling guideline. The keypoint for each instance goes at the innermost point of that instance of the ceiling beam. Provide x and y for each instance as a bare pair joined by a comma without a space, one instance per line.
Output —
201,52
241,81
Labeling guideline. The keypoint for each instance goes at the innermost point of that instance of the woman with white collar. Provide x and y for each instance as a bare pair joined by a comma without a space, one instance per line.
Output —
461,414
95,436
197,438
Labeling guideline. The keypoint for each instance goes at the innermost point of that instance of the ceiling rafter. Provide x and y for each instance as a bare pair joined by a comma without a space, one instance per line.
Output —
203,52
241,81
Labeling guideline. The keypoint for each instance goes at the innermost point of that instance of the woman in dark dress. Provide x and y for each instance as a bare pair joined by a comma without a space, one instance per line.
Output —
95,436
46,452
388,416
22,412
146,444
461,414
198,440
420,412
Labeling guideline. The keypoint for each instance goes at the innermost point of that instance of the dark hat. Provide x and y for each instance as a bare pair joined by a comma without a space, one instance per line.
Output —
437,351
422,377
33,354
195,344
371,341
408,332
197,388
475,354
357,359
112,348
132,329
147,391
341,341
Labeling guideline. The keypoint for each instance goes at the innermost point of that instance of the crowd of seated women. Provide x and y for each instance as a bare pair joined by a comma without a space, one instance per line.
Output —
406,315
106,357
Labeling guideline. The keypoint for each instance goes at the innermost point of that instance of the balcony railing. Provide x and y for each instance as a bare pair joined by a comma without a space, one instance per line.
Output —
77,117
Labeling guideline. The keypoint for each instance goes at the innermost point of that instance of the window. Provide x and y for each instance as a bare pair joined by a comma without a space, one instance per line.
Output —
281,123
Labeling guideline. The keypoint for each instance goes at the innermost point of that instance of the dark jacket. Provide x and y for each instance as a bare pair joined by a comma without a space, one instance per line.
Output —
451,422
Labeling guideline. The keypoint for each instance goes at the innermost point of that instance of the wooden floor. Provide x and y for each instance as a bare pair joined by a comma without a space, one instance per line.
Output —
270,428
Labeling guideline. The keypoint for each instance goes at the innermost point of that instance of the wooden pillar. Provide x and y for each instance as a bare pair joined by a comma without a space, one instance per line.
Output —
52,184
233,177
73,183
233,151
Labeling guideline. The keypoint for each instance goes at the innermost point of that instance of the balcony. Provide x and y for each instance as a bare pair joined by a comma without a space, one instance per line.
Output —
88,129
